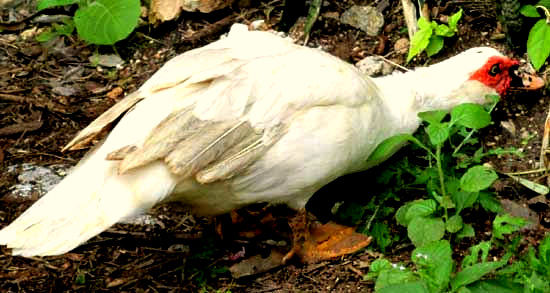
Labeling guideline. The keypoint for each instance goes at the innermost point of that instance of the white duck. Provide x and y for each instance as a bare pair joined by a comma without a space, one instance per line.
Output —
249,118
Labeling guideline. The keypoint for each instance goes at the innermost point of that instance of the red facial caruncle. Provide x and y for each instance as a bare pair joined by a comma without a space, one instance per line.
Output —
496,73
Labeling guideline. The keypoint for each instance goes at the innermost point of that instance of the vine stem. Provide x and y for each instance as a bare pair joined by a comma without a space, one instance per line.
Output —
546,12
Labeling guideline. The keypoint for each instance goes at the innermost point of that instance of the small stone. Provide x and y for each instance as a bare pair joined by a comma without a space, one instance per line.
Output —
366,18
401,46
374,66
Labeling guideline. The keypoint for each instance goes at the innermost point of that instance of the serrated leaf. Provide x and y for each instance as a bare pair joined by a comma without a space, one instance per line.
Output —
104,22
435,260
454,224
538,43
44,4
453,20
408,287
388,147
438,132
529,11
421,208
392,277
473,273
470,115
423,230
421,39
434,46
433,116
401,214
478,178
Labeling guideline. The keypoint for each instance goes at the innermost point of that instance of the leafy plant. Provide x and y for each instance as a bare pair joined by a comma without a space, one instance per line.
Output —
430,35
436,271
538,42
57,29
100,22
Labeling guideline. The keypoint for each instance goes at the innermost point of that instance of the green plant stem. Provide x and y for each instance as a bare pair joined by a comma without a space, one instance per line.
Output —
440,169
546,12
471,133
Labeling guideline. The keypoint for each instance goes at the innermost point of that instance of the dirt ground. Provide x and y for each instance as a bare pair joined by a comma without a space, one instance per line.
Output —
49,91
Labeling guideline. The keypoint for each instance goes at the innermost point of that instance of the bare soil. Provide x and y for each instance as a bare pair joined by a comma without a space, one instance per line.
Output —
184,253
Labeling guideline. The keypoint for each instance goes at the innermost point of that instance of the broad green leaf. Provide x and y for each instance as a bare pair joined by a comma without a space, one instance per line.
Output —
545,3
423,230
401,214
444,201
453,20
467,231
45,35
443,31
478,178
421,39
454,224
421,208
424,24
433,116
507,224
388,147
464,199
500,286
470,115
438,132
538,43
434,46
489,202
43,4
434,262
104,22
544,251
529,11
393,276
376,267
409,287
473,273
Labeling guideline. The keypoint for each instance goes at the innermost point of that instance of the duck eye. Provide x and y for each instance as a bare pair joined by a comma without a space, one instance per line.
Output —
495,69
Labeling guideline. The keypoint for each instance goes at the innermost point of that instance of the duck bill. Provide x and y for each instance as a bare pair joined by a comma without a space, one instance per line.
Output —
531,81
523,78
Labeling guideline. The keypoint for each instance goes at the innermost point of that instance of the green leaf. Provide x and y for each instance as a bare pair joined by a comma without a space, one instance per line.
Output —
467,231
474,257
473,273
464,199
423,230
470,115
545,3
433,116
393,276
421,39
500,286
478,178
401,214
489,202
421,208
104,22
438,132
529,11
388,147
376,267
45,35
454,224
43,4
544,251
538,43
538,188
409,287
434,46
453,20
434,264
507,224
443,31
